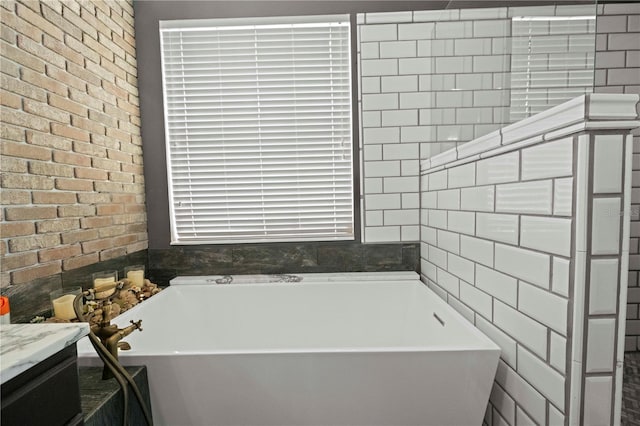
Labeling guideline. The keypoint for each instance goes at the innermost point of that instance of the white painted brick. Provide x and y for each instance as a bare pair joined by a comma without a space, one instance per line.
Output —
373,185
381,168
407,83
543,306
438,48
371,119
491,63
369,50
461,222
403,151
461,176
449,199
409,233
372,152
438,116
498,227
478,250
376,67
549,382
381,135
506,343
382,234
382,201
373,218
437,82
503,403
605,236
429,200
560,281
529,197
410,167
418,31
438,180
502,286
378,32
439,291
494,28
416,66
597,400
498,169
524,264
449,282
427,268
402,117
398,49
401,184
562,197
416,100
600,345
453,64
603,285
555,416
607,167
553,159
480,302
410,201
388,17
438,219
460,267
379,101
449,241
370,85
522,392
401,217
557,352
520,327
488,13
480,198
454,29
551,235
523,419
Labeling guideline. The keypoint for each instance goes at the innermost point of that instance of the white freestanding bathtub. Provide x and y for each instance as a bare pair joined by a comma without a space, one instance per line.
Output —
313,349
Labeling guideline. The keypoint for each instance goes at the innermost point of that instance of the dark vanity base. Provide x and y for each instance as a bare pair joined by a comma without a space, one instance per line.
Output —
102,399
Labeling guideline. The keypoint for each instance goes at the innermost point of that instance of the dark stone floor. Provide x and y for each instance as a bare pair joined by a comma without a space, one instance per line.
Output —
631,390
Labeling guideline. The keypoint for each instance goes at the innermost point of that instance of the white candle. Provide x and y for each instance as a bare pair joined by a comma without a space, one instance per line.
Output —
63,307
100,284
136,277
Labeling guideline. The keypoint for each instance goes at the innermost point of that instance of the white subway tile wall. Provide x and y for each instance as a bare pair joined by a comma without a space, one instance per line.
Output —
501,251
617,70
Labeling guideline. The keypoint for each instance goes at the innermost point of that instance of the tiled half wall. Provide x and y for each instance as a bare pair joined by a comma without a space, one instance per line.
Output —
525,232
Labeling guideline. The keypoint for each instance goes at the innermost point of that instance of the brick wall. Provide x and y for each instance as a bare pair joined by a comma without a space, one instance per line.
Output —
618,71
72,179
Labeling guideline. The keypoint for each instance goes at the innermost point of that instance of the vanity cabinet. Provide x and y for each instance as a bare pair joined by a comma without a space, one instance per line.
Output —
45,394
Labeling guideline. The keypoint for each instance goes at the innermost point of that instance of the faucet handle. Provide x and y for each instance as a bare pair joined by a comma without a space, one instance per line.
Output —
137,324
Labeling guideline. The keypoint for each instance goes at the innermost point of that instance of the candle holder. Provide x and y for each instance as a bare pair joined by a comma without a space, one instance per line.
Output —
135,275
104,283
62,302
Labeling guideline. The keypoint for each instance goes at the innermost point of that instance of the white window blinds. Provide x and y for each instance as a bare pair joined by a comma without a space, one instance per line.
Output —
258,128
551,61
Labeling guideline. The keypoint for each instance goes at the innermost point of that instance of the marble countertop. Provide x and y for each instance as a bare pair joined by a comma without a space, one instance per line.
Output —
24,345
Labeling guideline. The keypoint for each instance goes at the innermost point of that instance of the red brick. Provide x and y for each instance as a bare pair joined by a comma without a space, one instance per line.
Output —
50,169
30,213
54,197
71,158
42,81
76,211
109,209
123,198
134,208
87,173
48,140
23,150
79,236
74,184
112,253
23,119
17,261
57,225
37,20
33,242
80,261
89,149
88,125
108,187
105,164
64,50
16,229
97,245
67,105
69,132
119,156
14,85
10,100
13,165
66,78
84,74
96,222
8,196
29,274
111,231
59,253
22,181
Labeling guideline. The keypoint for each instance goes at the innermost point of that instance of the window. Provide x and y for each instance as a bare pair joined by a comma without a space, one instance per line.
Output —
258,129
